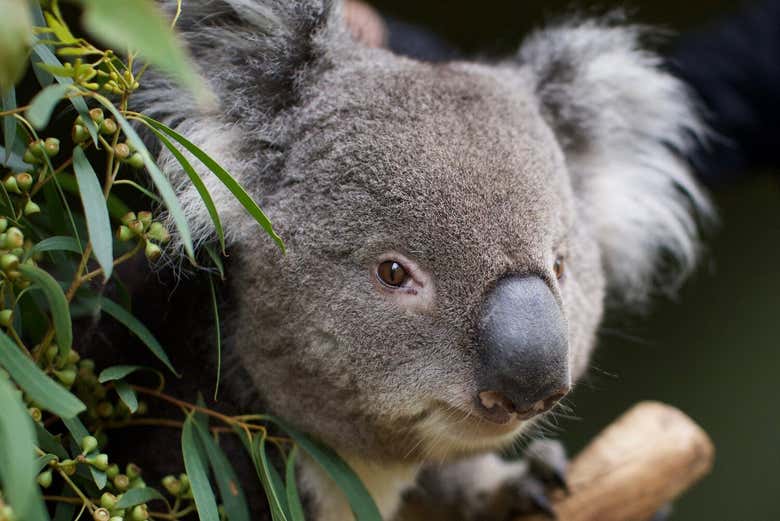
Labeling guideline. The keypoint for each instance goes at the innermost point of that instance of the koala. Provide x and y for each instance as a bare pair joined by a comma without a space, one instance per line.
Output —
453,234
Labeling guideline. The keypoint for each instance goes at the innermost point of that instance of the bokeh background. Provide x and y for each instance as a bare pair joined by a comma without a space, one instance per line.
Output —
715,350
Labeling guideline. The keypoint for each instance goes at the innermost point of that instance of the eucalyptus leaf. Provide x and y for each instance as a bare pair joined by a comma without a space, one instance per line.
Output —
14,162
42,105
230,491
359,499
127,395
58,304
17,456
95,211
195,465
230,183
39,387
44,78
276,496
8,102
117,372
294,504
137,496
55,243
217,333
196,181
121,315
78,432
116,208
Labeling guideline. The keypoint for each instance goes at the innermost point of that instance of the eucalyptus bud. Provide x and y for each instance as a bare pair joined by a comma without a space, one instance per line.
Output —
185,482
14,238
99,461
122,151
152,251
51,352
68,466
172,485
44,479
73,357
11,185
24,181
9,262
7,513
31,208
108,127
79,134
123,233
136,160
139,513
88,444
101,514
132,470
108,500
3,224
136,227
145,218
51,146
121,482
128,218
105,409
112,471
66,376
35,414
97,116
6,317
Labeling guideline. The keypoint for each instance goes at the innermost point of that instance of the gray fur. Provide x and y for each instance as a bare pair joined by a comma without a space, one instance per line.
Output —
470,170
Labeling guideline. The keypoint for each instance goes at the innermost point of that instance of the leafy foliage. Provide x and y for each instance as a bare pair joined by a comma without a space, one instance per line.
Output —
63,231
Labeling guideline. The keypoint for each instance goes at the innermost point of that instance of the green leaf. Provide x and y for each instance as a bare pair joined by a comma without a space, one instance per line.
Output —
17,456
116,208
217,333
8,102
274,493
14,162
143,27
60,30
44,78
230,490
293,498
121,315
50,443
160,181
196,181
42,105
47,57
230,183
117,372
127,395
39,387
137,496
65,511
58,304
360,500
95,211
195,465
55,243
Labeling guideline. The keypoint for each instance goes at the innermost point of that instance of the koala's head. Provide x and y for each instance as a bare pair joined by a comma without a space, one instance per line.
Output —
452,230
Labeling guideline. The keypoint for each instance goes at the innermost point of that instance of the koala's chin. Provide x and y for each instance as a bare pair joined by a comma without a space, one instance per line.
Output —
453,230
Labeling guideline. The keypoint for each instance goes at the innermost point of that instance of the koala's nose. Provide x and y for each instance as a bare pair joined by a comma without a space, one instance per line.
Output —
523,350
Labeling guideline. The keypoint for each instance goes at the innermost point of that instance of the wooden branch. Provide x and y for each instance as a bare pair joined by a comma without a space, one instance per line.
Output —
645,459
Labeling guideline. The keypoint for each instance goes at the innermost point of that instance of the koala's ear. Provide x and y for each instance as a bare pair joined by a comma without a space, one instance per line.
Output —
251,51
624,125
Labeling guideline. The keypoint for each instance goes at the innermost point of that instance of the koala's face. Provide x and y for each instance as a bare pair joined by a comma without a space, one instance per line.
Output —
439,288
451,229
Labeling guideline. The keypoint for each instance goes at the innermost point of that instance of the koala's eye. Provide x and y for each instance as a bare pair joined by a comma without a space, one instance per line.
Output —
392,274
559,267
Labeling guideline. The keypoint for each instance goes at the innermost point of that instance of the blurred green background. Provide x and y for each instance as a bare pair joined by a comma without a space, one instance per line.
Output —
715,350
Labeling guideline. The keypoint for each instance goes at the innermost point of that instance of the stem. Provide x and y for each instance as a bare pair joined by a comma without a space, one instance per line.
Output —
129,255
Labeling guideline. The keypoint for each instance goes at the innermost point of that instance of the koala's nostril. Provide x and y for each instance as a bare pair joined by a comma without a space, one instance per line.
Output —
497,407
491,399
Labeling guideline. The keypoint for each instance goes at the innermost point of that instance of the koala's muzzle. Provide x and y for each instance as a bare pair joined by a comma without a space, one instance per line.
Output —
523,349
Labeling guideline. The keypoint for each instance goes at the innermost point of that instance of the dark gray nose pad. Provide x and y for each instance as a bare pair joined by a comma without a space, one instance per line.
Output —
523,350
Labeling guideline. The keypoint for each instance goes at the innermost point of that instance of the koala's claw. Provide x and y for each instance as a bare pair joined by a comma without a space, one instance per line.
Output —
548,462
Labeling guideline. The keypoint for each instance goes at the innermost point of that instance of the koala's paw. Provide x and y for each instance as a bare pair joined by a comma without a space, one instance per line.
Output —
528,492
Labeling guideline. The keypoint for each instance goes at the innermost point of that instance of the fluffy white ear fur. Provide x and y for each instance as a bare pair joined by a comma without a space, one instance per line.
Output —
624,124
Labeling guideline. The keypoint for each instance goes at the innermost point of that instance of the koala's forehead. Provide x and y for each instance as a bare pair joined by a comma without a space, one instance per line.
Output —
460,145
